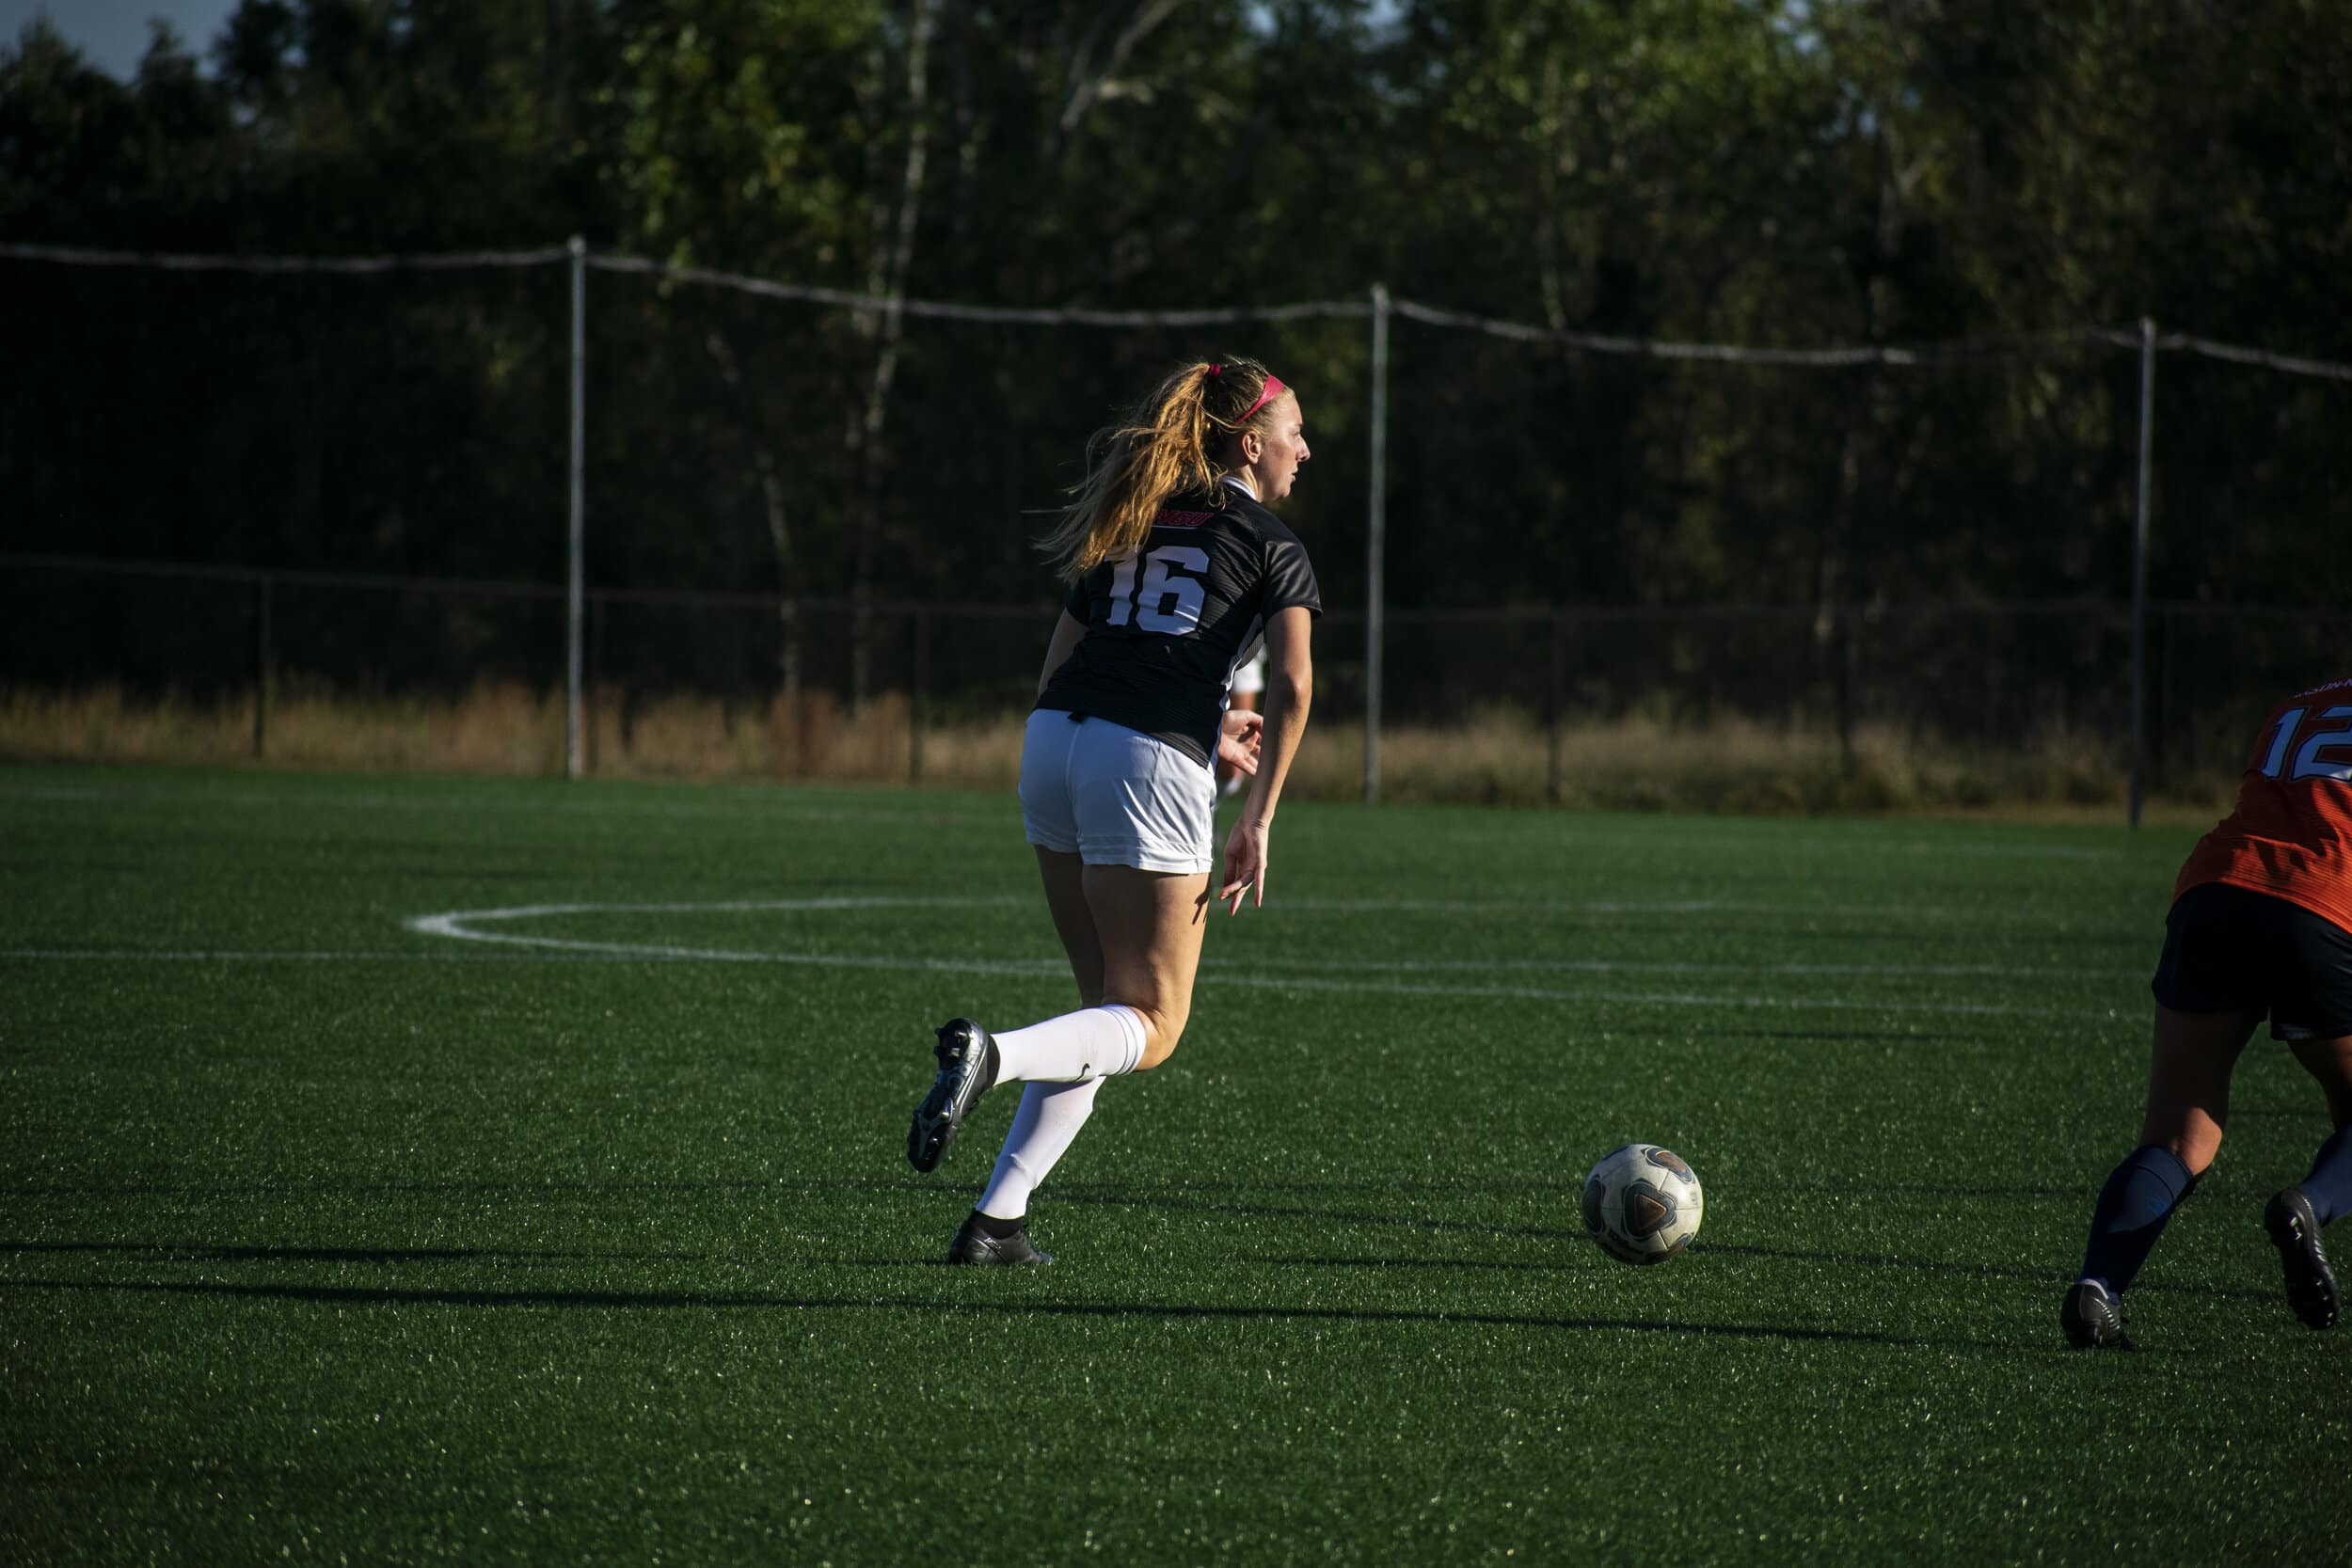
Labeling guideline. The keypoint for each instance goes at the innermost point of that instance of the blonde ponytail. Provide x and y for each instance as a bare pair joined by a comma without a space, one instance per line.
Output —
1167,444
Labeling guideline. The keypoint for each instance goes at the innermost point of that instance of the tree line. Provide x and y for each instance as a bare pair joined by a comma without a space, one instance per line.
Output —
1761,172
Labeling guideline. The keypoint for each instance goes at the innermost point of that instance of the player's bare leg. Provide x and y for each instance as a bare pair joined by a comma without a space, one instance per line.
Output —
1050,1115
1133,938
2190,1061
1150,923
1064,876
2295,1216
2330,1061
1096,1041
2188,1083
1134,943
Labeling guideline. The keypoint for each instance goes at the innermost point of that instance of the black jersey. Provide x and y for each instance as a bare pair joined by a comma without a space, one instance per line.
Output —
1166,627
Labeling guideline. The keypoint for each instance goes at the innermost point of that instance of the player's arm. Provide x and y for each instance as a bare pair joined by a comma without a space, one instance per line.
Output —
1066,633
1289,684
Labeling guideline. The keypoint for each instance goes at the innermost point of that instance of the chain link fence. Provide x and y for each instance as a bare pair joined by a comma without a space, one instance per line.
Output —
761,684
1804,508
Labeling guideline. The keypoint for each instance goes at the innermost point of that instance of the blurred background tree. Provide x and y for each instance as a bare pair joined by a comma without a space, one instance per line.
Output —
1764,172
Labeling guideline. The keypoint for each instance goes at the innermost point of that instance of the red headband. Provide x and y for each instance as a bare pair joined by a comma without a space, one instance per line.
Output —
1274,388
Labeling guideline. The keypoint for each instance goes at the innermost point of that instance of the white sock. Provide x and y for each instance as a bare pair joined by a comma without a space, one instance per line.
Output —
1049,1118
1095,1042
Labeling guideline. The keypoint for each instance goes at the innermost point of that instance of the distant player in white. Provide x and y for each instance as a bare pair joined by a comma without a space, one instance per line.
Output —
1241,697
1177,570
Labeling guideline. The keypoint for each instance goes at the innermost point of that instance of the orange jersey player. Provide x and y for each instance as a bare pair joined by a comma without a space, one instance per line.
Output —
2260,926
2291,835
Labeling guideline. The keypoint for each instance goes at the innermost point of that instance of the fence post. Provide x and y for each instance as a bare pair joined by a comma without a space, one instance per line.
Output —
915,707
1555,677
2159,736
2140,559
262,637
579,527
1376,538
594,690
1849,676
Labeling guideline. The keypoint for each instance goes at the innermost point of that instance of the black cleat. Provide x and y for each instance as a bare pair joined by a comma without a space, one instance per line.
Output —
967,1069
2093,1318
976,1248
2295,1231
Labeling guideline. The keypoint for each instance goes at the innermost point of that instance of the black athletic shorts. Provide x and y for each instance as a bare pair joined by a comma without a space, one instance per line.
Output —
2231,950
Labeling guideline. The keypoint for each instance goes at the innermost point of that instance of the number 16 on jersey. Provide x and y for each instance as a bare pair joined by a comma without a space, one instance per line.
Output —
1169,601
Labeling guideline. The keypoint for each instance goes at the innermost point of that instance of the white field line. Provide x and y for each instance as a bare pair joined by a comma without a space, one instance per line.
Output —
1500,909
1779,909
1634,966
594,953
1576,837
464,925
266,955
1341,976
461,925
1040,969
1567,836
555,950
1673,999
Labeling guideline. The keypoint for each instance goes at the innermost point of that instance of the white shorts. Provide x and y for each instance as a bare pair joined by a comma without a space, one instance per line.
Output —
1114,796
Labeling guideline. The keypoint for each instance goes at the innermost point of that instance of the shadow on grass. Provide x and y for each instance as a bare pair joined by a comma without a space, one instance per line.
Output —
1576,1236
202,1252
1566,1265
2053,1277
414,1189
1571,1239
1940,1189
2316,1115
524,1187
1277,1212
671,1301
1896,1037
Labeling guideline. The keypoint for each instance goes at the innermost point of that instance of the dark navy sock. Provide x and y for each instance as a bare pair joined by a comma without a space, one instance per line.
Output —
2329,1184
2140,1195
996,1229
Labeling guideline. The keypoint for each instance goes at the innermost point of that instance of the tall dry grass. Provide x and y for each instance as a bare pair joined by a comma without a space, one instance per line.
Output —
493,729
1726,764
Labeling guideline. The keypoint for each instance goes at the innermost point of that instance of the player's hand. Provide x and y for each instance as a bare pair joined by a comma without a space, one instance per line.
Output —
1237,740
1244,865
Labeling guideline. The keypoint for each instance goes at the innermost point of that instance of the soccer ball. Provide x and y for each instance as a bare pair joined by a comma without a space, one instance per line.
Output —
1642,1204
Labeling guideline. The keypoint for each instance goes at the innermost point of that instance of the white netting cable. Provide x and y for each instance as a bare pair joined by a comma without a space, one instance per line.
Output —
2167,343
2291,366
939,310
1597,342
455,260
1898,355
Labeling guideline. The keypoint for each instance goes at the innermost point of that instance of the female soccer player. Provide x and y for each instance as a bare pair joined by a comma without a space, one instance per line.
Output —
1178,573
2261,923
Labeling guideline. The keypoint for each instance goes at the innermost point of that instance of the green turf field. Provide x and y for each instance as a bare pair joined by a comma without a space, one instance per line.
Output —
576,1225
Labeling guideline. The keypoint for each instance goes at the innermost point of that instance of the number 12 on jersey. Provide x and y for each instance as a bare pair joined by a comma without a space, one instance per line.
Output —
2308,763
1169,601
